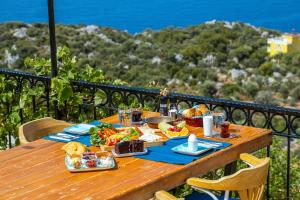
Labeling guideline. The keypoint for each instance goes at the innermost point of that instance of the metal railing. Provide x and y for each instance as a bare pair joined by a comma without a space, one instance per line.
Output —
237,112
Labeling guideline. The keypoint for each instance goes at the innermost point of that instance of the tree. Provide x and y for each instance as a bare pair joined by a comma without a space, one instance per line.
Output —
265,97
208,89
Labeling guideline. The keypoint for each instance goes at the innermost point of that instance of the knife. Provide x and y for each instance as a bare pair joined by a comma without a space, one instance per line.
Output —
67,136
59,138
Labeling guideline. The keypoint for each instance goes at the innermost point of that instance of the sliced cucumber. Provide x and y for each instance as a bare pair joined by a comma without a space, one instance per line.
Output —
163,126
181,124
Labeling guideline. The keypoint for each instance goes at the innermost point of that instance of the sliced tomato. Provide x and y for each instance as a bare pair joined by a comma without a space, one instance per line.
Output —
100,135
138,130
108,142
111,141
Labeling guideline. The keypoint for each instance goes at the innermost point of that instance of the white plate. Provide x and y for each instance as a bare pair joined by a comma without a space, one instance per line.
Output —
79,129
183,149
129,154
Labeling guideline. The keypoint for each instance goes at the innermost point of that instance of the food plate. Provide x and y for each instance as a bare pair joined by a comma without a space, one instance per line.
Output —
79,129
184,133
106,136
154,121
129,154
202,148
111,164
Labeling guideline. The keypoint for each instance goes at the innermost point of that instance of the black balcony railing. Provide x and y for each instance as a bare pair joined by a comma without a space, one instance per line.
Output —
237,112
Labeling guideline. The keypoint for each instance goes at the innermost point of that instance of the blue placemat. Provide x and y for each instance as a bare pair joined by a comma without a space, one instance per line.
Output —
165,154
84,139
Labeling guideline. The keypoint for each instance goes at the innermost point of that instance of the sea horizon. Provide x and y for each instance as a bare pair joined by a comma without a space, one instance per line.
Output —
135,16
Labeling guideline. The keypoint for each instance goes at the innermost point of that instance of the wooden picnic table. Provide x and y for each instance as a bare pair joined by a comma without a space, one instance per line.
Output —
37,170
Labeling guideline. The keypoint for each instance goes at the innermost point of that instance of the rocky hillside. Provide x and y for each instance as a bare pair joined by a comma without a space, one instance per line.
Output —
220,59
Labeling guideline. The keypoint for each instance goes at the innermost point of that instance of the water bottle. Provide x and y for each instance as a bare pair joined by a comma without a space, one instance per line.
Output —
163,107
173,108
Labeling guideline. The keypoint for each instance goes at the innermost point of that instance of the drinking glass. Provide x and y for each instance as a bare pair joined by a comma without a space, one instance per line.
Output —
127,117
124,116
136,116
218,119
225,129
121,113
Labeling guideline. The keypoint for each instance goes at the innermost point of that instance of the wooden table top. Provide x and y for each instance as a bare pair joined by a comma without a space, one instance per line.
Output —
37,170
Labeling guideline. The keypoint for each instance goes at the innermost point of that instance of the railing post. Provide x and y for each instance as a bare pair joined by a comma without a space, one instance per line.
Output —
288,173
52,37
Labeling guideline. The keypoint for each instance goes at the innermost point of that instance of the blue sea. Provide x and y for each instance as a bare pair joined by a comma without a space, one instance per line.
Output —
138,15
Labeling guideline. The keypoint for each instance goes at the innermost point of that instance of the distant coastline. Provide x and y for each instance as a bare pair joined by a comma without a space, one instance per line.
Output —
136,16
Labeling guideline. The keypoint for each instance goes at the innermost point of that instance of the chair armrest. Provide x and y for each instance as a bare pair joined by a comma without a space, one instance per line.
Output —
250,160
204,183
163,195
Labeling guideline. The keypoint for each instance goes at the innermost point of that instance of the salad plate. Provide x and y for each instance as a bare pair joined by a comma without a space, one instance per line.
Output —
106,136
202,148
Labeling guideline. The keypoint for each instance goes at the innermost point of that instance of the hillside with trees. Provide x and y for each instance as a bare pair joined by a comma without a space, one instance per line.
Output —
217,59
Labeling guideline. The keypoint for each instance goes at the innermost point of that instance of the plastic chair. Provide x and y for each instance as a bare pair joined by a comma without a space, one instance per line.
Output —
39,128
249,182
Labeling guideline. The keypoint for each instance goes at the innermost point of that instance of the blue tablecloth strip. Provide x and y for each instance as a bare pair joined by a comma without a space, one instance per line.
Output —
165,154
84,139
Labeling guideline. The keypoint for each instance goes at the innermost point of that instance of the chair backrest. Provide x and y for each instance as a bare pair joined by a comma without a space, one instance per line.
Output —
249,182
39,128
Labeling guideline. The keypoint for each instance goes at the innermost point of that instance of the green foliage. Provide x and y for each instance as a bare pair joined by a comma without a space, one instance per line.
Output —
296,92
266,68
9,117
230,90
208,89
12,104
265,97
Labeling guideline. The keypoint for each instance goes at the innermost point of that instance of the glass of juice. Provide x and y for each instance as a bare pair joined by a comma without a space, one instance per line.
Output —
225,129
